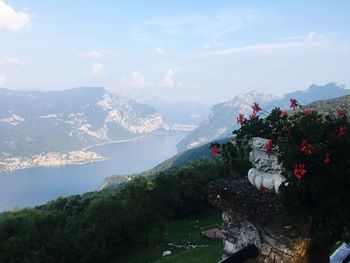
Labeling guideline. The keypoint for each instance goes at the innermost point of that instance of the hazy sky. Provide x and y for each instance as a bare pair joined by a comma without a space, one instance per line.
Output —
179,49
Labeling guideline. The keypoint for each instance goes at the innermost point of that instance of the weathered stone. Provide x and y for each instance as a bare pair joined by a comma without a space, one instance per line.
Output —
239,235
265,250
253,217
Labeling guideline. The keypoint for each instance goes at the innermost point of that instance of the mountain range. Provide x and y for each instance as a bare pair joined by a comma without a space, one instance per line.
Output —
329,106
34,122
221,120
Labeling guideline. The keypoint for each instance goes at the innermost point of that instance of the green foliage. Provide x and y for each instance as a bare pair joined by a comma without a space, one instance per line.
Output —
98,225
313,149
314,142
236,157
179,233
198,255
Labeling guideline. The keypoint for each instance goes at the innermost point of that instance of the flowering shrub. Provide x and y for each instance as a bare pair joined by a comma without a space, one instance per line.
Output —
314,150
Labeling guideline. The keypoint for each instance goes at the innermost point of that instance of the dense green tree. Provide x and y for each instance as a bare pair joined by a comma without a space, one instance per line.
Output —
96,226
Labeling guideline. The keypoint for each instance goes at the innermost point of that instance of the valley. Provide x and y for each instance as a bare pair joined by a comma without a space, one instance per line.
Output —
174,131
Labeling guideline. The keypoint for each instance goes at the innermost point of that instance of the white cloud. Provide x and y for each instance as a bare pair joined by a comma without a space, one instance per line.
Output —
98,69
136,80
312,36
104,54
312,39
2,80
160,51
211,27
12,20
168,80
13,61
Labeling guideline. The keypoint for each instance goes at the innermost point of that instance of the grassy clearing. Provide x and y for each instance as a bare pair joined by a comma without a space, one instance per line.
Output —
208,254
184,233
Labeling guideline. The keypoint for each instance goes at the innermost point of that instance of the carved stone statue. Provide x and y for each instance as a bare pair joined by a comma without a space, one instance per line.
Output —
266,171
252,217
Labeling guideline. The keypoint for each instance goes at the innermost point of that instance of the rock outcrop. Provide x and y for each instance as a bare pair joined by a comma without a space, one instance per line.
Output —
254,217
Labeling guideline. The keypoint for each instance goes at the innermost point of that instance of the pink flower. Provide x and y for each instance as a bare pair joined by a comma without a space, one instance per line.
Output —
341,132
299,171
240,118
327,159
264,189
283,114
268,146
252,116
342,113
308,111
293,103
256,107
305,147
215,151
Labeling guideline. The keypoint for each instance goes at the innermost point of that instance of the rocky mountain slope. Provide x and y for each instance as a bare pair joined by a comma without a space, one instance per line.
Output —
221,120
39,122
332,106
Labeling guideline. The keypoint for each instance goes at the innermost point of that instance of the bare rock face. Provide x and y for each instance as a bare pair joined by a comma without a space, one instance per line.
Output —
266,171
253,217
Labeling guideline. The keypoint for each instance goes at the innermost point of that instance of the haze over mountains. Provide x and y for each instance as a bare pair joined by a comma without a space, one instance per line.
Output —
221,120
186,112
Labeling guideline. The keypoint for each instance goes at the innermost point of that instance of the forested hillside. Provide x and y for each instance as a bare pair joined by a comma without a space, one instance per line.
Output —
98,226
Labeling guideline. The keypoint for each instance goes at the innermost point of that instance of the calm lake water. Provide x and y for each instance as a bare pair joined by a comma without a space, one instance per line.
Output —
31,187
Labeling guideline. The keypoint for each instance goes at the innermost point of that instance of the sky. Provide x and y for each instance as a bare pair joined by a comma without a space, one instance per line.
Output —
196,50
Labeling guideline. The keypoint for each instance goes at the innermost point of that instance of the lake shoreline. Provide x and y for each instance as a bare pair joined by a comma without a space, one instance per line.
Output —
34,186
100,159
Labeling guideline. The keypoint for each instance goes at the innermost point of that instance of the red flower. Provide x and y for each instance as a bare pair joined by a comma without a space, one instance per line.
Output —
283,114
264,189
305,147
327,159
293,103
215,151
240,118
299,171
268,146
308,111
340,132
252,116
342,113
256,107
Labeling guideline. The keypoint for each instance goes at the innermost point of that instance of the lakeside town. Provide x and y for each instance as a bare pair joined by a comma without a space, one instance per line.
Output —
49,159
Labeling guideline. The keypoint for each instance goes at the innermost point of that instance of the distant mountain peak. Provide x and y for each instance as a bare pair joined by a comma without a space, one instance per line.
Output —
243,102
330,85
221,120
71,119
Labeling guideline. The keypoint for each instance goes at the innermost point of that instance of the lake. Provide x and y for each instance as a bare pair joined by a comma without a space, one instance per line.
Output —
34,186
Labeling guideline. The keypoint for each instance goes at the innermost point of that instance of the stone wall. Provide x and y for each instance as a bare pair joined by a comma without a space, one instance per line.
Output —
253,217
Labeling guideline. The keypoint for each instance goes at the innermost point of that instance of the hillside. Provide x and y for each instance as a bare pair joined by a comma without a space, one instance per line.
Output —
35,122
222,117
178,160
193,154
333,105
134,223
